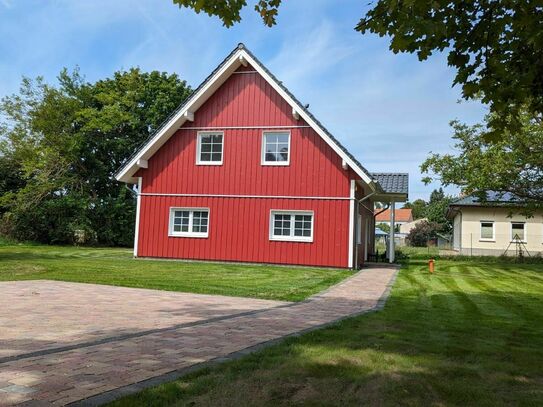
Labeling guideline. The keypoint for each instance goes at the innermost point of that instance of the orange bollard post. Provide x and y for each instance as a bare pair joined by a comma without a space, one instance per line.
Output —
431,266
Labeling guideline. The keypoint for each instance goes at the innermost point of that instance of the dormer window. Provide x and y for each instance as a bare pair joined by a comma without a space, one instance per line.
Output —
276,148
210,148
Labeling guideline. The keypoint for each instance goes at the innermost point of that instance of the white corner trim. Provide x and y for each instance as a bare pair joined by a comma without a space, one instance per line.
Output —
142,163
295,114
138,211
189,116
351,223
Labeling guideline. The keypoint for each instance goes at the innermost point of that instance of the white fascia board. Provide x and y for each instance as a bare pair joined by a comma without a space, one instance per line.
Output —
197,100
203,94
301,112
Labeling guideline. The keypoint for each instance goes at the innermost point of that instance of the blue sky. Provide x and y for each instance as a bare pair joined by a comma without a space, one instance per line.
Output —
389,110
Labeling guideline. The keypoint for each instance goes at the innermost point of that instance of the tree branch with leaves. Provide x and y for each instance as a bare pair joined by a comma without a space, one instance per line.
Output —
513,164
495,46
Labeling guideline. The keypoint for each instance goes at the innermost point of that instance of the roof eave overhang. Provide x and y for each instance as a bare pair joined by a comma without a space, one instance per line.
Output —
186,112
126,173
389,197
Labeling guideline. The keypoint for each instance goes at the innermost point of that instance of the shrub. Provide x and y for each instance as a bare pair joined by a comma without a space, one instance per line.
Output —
422,233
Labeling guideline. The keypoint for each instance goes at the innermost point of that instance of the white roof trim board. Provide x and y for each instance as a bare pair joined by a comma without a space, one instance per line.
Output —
206,89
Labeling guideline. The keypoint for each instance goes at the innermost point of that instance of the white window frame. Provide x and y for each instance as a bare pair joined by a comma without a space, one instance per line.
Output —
486,239
511,231
263,149
199,136
291,237
190,233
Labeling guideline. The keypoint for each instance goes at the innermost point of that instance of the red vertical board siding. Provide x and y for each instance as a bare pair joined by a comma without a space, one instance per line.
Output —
314,170
239,227
239,231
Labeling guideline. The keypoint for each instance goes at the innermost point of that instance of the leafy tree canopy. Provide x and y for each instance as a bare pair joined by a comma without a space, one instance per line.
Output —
496,46
385,227
229,10
434,210
514,164
418,208
61,145
436,196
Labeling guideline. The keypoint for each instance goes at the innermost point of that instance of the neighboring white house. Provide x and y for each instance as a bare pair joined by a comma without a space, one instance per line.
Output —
495,227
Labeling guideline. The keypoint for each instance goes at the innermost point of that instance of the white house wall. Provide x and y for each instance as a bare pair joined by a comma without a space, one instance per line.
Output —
467,232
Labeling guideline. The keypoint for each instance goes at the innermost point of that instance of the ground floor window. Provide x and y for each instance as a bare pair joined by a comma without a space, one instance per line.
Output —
295,226
487,230
189,222
518,231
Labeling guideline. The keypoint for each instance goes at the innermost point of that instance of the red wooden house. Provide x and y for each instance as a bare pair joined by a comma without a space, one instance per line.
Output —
243,172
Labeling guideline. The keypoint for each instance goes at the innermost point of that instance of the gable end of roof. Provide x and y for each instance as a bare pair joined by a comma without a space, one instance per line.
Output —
205,90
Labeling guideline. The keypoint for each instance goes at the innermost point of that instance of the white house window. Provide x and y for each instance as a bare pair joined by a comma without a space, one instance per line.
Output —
210,148
189,222
487,230
518,231
295,226
276,148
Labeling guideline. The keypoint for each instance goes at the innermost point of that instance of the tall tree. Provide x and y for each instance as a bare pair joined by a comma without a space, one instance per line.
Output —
496,46
511,165
437,195
61,146
418,208
436,211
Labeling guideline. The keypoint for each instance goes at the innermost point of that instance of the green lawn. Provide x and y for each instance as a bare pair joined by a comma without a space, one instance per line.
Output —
117,267
472,334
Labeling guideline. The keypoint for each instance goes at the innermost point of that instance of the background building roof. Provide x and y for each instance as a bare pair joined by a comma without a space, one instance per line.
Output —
493,198
400,215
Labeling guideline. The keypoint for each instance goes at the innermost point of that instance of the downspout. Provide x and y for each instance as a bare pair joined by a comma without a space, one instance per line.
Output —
380,212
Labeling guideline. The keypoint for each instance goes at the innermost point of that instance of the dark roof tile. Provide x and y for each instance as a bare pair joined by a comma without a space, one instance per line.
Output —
392,182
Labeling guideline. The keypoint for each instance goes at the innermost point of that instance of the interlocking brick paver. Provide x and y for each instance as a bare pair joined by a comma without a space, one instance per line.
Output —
63,342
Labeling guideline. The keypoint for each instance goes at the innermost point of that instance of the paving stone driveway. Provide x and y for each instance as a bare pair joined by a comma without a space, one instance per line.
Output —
63,343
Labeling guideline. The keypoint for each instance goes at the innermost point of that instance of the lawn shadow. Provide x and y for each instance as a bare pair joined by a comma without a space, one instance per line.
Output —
435,344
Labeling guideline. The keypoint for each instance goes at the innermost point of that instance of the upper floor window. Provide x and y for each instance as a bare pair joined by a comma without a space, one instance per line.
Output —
210,148
276,148
296,226
189,222
487,230
518,231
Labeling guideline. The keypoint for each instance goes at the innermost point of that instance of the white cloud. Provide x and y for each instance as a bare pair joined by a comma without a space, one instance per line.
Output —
302,58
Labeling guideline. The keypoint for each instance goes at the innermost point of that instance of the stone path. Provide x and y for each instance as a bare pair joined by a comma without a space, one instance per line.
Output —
87,344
